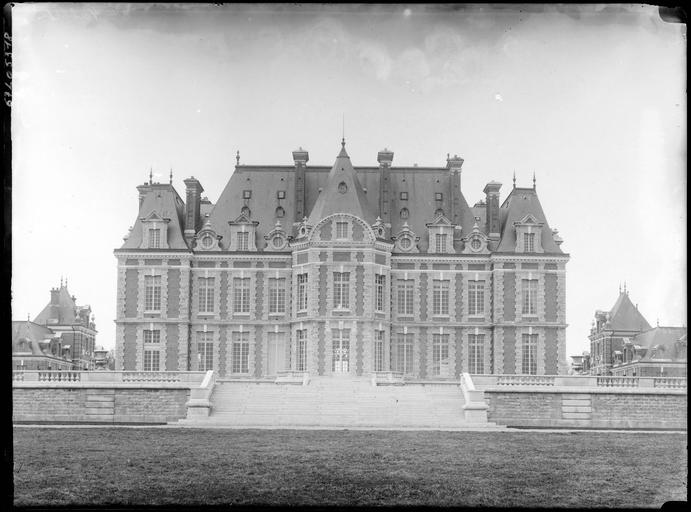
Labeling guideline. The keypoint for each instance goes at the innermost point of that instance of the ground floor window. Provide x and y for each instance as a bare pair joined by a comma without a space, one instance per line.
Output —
341,350
402,354
241,352
152,360
378,351
278,352
301,351
476,358
529,356
205,349
440,355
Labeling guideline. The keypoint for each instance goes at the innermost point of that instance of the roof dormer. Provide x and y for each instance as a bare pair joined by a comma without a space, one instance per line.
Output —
475,242
243,233
155,231
276,239
529,235
440,235
207,239
405,240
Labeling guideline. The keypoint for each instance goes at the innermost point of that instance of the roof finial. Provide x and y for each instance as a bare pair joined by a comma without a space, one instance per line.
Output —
237,157
625,288
620,287
514,178
657,322
171,174
343,131
28,317
60,281
533,180
151,175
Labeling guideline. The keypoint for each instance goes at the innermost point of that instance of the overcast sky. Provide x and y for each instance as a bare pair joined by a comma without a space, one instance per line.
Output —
591,100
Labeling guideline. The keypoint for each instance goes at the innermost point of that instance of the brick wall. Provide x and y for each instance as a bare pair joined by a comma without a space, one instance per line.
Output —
98,405
625,409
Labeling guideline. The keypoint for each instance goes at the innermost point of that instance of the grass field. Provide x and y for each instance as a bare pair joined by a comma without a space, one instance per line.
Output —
61,466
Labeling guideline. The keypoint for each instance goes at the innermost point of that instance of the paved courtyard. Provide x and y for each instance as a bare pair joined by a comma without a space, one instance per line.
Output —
112,465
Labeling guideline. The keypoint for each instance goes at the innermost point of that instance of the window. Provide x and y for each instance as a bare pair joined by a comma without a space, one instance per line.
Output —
402,354
341,290
405,213
152,336
440,243
241,352
241,295
440,355
280,212
206,294
404,196
340,342
405,296
205,351
154,238
378,351
246,211
406,243
438,196
277,295
243,241
301,351
152,293
152,360
302,292
529,296
529,354
379,283
528,242
476,358
476,297
440,297
341,230
475,244
281,194
246,194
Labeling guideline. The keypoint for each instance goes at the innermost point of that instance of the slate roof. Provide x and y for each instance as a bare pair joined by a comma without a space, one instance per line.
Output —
519,203
62,313
33,333
162,199
625,317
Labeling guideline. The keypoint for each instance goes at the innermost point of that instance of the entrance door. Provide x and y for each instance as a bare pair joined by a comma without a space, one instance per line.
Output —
341,351
278,353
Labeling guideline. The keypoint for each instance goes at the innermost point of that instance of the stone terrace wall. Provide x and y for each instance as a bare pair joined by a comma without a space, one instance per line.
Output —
98,405
588,408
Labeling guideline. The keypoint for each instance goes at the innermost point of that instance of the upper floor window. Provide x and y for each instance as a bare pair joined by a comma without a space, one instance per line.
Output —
529,296
341,290
241,295
440,243
243,241
152,336
206,294
379,284
152,293
405,296
341,230
277,295
476,357
529,242
154,238
440,297
476,297
302,292
529,354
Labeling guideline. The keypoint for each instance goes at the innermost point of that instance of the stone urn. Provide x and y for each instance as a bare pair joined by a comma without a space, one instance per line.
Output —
101,359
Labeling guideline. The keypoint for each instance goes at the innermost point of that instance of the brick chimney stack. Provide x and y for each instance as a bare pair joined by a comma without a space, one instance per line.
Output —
300,157
454,165
192,208
492,204
385,158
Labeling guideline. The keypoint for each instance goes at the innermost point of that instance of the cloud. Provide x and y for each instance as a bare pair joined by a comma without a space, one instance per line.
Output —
375,60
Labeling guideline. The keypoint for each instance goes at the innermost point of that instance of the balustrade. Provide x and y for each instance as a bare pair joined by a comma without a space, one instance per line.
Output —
59,376
525,380
617,382
670,382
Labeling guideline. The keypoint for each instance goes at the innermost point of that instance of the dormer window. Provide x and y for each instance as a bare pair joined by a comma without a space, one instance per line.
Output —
281,194
154,231
243,239
280,212
246,194
405,213
242,234
440,243
341,230
154,238
528,242
440,236
404,196
528,235
438,196
246,211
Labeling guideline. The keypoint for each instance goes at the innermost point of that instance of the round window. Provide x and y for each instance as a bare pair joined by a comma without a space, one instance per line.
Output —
246,211
475,244
207,241
406,243
438,212
342,187
277,241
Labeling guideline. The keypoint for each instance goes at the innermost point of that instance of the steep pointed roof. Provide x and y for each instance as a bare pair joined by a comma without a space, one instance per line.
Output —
60,311
625,317
517,205
162,200
342,193
24,330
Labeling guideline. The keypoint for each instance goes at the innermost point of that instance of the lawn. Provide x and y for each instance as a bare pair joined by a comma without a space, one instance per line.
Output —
97,466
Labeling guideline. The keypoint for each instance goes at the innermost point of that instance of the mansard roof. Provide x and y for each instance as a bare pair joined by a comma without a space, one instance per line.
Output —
520,203
624,316
60,312
159,200
659,342
342,193
24,330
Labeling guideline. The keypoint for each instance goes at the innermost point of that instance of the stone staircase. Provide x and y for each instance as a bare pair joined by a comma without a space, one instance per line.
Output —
335,402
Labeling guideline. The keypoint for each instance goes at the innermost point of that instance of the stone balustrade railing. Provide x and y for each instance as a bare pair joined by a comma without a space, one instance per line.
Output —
100,378
579,381
609,381
670,382
525,380
387,377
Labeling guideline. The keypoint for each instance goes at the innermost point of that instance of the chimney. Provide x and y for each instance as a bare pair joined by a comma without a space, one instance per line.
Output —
385,158
192,208
454,165
54,296
143,190
300,157
492,208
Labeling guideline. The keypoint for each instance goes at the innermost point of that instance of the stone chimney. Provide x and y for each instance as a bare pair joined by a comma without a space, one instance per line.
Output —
300,157
192,208
492,225
454,164
54,296
385,157
143,190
